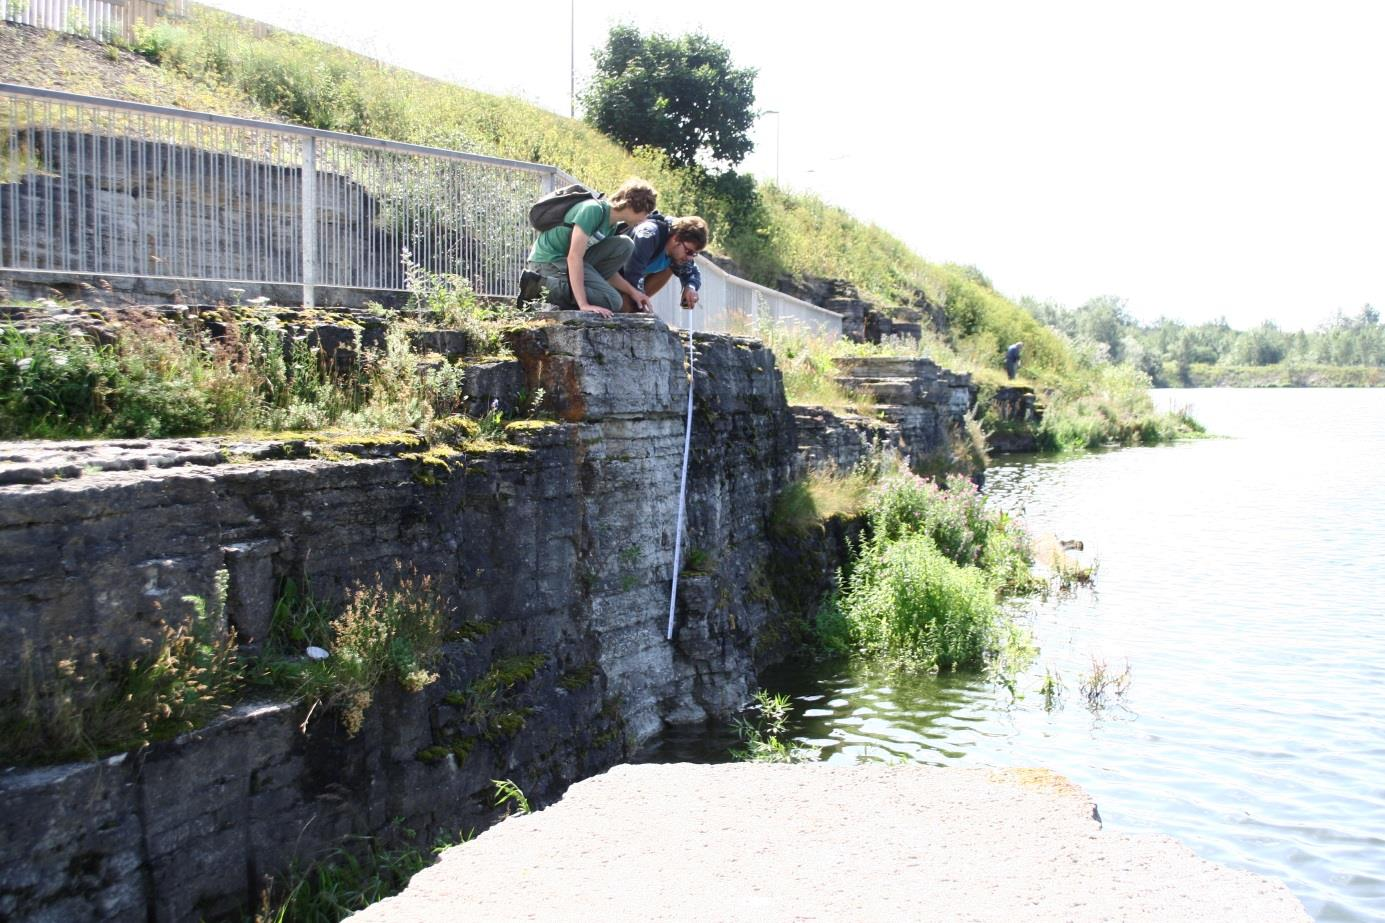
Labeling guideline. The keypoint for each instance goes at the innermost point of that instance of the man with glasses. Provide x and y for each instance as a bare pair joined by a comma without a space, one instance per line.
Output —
664,247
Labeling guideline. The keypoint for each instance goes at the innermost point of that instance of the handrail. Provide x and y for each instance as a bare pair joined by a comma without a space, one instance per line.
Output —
212,118
705,265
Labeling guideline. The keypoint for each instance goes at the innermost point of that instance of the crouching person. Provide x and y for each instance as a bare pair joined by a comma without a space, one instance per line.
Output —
664,247
579,261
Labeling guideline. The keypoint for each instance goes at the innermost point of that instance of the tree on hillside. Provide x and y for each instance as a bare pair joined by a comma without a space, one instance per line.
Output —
681,95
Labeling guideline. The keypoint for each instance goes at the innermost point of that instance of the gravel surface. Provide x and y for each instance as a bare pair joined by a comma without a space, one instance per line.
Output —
816,842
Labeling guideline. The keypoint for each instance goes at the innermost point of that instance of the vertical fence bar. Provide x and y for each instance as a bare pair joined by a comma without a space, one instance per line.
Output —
18,176
309,189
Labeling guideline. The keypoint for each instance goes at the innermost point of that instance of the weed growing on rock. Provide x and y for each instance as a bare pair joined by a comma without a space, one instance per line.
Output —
449,300
698,561
381,634
508,794
349,878
79,707
762,739
488,703
803,506
153,377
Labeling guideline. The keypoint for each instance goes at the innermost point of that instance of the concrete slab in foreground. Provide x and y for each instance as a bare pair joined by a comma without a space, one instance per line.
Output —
817,842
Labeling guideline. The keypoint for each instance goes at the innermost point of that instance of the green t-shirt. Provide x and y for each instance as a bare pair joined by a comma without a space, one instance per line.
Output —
591,216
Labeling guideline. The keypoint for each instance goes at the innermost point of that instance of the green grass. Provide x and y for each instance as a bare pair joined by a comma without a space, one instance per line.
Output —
803,506
161,378
347,879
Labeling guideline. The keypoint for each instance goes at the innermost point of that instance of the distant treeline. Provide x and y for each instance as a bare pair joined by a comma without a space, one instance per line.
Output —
1175,354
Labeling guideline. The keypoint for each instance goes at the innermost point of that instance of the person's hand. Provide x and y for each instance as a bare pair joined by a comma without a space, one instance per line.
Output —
689,298
593,309
642,303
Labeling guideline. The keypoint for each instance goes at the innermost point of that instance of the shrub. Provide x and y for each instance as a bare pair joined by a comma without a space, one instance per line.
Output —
955,518
907,601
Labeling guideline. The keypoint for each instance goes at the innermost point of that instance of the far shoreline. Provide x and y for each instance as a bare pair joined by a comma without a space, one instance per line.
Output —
1274,376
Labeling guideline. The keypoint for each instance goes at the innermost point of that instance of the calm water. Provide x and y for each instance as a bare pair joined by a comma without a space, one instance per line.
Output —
1243,582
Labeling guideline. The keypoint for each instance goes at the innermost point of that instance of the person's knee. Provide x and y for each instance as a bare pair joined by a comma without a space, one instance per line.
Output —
608,256
604,296
622,247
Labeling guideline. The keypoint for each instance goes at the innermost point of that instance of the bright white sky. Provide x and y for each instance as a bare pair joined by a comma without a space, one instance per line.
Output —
1198,159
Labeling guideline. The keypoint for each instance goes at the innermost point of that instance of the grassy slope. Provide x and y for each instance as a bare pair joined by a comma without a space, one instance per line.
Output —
211,62
38,58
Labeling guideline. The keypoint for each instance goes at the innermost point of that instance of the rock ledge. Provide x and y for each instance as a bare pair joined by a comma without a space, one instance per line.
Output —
820,842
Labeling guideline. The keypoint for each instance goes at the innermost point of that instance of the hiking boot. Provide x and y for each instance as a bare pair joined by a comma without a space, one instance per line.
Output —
530,289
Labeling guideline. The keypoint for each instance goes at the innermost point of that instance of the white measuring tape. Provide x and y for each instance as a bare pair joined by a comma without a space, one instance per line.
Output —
682,486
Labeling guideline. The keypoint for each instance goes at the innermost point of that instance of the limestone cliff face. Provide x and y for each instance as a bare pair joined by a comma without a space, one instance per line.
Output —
558,549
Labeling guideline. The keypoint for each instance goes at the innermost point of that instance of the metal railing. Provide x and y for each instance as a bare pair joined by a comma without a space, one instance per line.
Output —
105,188
736,305
102,187
103,20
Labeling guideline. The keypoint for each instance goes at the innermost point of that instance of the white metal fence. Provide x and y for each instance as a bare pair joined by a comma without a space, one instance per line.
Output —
100,187
94,187
733,304
103,20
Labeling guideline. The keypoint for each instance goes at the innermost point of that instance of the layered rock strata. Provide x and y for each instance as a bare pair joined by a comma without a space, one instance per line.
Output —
555,551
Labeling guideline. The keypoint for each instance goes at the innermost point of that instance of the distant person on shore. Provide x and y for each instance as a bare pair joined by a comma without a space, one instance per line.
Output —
579,261
1012,359
665,247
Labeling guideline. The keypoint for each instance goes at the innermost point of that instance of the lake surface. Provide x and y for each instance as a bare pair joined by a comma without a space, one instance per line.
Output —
1242,580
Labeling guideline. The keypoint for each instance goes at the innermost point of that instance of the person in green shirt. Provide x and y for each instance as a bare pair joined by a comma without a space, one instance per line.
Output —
579,261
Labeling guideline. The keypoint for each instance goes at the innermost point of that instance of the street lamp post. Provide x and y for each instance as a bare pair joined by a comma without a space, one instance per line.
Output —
572,60
775,113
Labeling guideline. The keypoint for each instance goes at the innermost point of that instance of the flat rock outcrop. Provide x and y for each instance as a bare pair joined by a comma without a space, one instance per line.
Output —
820,842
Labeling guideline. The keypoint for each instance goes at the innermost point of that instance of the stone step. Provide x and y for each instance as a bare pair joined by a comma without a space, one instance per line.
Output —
887,366
884,390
